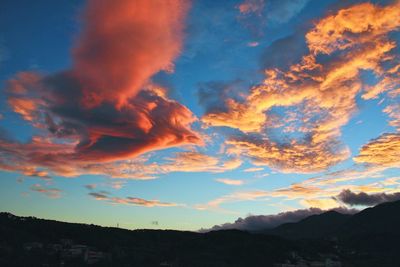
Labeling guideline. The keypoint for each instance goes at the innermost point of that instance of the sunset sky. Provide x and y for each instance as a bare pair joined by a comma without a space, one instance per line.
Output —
188,114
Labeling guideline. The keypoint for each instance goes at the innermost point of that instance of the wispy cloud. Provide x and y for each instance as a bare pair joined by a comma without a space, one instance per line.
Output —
255,169
135,201
48,192
230,181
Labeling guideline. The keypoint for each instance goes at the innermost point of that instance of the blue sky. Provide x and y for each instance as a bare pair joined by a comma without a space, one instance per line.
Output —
195,114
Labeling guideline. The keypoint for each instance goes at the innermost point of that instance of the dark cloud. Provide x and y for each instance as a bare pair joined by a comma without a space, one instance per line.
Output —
363,199
90,186
284,52
99,195
212,95
262,222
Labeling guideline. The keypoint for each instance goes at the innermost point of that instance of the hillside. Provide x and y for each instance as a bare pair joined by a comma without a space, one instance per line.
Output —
368,238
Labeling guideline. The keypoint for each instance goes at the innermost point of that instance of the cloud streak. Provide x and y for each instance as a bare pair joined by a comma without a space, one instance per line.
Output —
104,196
230,181
48,192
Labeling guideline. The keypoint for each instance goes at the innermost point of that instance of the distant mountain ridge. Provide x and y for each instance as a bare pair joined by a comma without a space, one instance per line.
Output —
314,226
381,219
368,239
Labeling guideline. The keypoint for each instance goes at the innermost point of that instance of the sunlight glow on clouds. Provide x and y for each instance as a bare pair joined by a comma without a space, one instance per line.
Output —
322,94
151,92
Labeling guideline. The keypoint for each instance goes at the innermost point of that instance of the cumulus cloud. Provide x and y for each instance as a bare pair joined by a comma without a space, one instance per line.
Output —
119,47
363,199
382,151
104,109
292,121
262,222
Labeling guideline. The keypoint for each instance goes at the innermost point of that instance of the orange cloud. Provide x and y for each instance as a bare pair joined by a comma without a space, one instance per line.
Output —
383,151
142,202
323,203
393,111
254,169
317,97
233,197
294,157
105,196
118,49
350,26
198,162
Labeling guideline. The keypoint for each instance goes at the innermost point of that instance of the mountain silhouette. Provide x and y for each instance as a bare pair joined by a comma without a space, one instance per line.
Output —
368,239
314,226
381,219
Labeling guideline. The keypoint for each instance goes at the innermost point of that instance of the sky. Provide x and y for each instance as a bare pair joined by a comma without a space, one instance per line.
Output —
178,114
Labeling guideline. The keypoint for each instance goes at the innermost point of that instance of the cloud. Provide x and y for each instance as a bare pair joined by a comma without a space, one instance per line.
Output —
190,161
393,111
292,121
363,199
317,192
383,151
104,196
284,51
323,203
348,27
99,195
233,197
273,11
262,222
117,184
251,6
104,110
212,95
254,169
229,181
294,157
118,49
90,186
49,192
